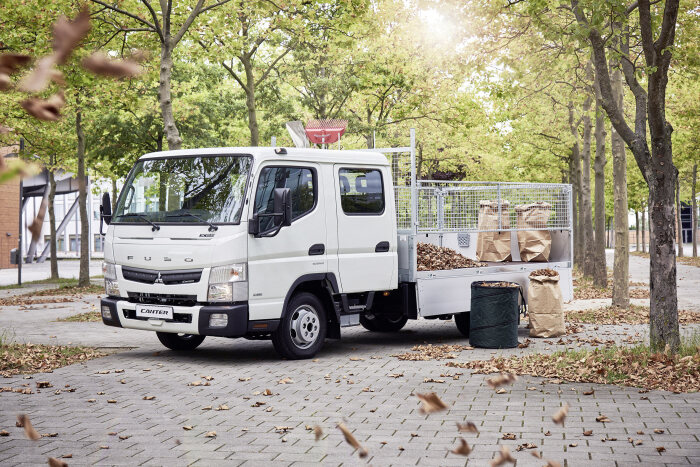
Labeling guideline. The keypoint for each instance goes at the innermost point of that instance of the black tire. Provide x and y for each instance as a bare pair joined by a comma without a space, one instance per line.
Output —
179,341
302,329
383,323
462,321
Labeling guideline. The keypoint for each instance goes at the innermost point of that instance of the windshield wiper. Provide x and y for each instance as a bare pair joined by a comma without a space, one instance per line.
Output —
141,216
212,227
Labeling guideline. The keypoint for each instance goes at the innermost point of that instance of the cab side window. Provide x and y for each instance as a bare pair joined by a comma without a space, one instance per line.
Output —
300,180
361,191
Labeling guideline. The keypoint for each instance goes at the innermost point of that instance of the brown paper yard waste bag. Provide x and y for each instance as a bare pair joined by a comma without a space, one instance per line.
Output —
494,245
544,306
534,245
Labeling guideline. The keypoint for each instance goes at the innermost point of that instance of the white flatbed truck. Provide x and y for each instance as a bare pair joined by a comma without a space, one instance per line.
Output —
295,244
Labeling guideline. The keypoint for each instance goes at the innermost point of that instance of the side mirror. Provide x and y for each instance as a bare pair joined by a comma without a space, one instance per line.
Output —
282,204
105,211
281,215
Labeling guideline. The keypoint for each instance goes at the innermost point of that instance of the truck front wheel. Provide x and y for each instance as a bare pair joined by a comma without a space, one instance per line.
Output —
462,321
302,329
384,323
179,341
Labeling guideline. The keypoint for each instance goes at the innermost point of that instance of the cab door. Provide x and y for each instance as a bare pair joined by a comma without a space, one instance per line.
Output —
274,263
365,215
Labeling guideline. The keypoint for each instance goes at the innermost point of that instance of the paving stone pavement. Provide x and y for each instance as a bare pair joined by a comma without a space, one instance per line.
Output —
349,382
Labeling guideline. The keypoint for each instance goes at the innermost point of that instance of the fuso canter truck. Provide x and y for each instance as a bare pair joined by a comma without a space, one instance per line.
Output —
295,244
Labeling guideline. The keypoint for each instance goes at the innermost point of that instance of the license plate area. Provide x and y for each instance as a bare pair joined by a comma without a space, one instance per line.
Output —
154,311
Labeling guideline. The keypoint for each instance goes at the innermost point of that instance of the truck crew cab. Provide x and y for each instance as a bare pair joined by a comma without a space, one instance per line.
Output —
289,244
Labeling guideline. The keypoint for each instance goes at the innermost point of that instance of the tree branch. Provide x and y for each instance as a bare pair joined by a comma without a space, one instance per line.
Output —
154,16
188,22
126,13
264,76
234,75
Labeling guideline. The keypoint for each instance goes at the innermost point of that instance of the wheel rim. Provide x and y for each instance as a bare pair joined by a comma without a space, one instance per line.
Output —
304,327
185,337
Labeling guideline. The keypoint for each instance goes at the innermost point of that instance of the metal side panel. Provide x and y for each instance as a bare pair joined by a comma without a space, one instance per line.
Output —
449,292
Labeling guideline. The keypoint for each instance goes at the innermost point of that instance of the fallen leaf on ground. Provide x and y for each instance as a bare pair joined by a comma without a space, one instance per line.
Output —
222,407
467,427
187,427
53,462
660,449
23,421
522,447
431,403
247,378
210,434
573,445
286,380
352,441
463,449
658,431
603,419
560,416
503,457
148,398
124,437
589,392
267,392
501,391
4,433
49,435
508,436
587,432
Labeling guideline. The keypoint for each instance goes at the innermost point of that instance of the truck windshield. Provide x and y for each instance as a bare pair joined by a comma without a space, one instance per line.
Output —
185,190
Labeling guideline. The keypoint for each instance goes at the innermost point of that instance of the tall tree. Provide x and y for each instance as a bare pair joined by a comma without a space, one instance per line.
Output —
162,25
656,162
600,271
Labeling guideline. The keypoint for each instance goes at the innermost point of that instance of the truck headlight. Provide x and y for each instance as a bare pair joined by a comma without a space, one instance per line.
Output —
109,270
228,283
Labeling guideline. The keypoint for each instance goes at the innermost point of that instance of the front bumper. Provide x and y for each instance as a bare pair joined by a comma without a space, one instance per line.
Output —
188,319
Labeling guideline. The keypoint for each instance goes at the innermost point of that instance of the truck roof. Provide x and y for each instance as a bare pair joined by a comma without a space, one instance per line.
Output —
331,156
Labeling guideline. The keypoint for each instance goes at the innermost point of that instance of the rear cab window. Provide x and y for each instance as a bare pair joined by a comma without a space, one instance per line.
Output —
361,191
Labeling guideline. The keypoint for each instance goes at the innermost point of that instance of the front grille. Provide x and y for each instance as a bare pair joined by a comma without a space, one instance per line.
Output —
177,317
162,299
148,276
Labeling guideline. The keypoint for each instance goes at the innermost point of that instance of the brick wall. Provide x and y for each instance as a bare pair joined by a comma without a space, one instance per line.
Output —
9,216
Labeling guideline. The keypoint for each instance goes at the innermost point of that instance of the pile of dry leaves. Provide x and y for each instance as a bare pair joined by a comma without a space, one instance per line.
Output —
87,317
35,358
544,272
433,352
634,314
585,290
617,365
19,300
434,258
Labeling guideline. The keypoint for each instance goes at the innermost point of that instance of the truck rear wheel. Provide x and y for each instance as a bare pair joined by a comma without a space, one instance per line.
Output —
384,323
302,329
179,341
462,321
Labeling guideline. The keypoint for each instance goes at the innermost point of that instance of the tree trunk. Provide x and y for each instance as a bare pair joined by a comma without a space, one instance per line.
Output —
636,229
600,276
586,208
250,100
84,275
52,225
678,218
621,293
114,194
165,99
644,229
663,328
694,216
575,169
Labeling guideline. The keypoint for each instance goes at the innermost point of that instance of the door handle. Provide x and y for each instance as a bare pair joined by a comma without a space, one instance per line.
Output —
382,247
317,249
